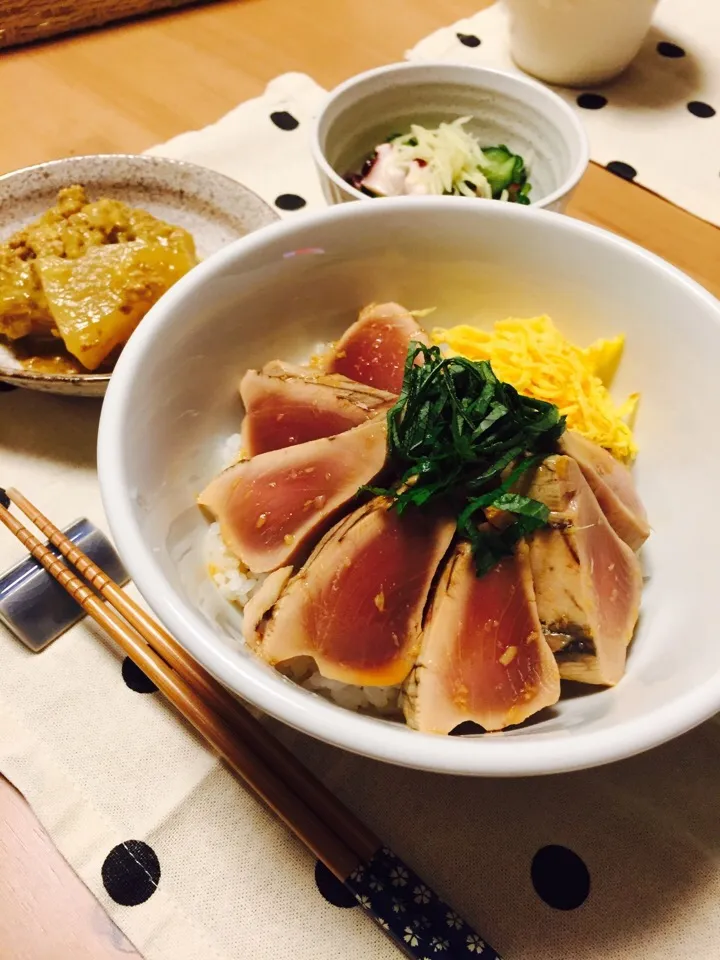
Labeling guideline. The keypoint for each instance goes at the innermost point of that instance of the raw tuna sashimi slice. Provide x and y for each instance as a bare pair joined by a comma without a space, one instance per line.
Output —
483,657
613,485
587,580
374,349
356,606
273,508
285,406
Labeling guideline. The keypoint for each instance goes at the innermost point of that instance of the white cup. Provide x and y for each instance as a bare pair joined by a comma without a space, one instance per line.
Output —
577,43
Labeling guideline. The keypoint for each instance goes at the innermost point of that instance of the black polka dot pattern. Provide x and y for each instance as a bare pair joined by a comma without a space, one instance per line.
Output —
284,120
621,169
289,201
699,109
131,873
468,39
560,877
672,50
330,887
591,101
135,678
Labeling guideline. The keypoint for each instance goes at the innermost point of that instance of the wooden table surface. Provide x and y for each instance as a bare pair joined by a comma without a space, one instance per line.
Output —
126,87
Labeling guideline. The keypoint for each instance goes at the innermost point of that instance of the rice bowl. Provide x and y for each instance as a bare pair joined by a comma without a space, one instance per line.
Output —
162,433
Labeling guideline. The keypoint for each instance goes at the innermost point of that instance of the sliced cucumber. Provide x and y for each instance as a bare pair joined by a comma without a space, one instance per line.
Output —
504,170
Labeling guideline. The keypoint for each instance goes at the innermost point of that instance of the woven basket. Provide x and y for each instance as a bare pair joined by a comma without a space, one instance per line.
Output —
22,21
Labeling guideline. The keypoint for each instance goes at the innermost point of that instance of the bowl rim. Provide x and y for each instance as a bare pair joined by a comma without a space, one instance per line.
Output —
148,160
144,159
490,755
582,142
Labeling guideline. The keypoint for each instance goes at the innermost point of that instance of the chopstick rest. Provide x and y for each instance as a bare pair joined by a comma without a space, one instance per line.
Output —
34,606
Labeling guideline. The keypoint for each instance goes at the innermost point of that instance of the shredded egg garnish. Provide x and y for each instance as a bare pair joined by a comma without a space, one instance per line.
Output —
540,362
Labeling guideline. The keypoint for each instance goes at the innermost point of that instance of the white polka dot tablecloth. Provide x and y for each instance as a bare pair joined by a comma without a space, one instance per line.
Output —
658,123
619,863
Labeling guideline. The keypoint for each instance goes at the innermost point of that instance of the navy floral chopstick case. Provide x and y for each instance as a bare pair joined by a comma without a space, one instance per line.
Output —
412,915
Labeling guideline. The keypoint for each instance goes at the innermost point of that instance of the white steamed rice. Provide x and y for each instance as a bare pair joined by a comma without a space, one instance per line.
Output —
237,584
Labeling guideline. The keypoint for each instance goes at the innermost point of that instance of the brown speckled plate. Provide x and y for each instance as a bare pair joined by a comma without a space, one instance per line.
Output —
214,208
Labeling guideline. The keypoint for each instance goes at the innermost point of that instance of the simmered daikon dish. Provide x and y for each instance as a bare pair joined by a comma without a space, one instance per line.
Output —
437,525
76,282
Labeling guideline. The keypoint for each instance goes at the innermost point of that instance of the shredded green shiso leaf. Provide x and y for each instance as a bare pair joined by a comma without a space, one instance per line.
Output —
457,432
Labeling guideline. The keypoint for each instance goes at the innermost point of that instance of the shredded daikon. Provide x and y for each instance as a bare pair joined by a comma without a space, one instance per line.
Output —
453,157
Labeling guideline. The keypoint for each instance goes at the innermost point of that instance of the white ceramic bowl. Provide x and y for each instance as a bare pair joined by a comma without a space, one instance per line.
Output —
524,115
173,399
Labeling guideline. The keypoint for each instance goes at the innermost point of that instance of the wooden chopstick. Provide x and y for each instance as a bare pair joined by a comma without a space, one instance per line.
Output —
308,788
327,828
324,843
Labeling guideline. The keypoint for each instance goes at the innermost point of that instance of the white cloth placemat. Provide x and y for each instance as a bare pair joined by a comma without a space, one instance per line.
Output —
615,863
658,123
263,143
